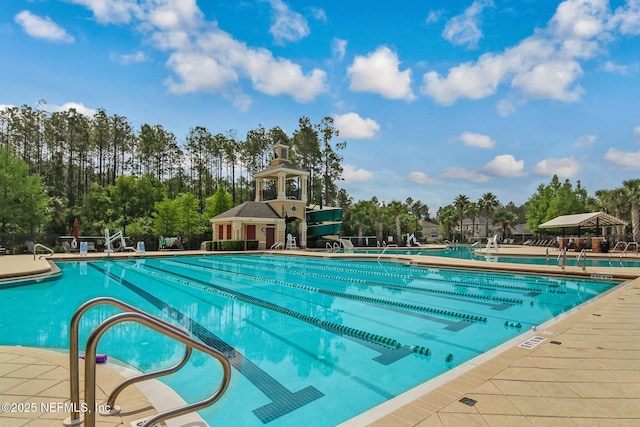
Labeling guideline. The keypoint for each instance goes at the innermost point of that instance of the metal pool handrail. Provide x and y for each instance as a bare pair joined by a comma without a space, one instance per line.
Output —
40,245
625,244
393,245
583,257
562,258
131,314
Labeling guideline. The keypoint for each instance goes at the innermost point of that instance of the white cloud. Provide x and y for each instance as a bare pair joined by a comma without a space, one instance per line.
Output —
468,80
288,26
505,107
636,131
476,140
464,174
419,178
79,107
585,141
434,16
550,80
339,48
545,65
567,167
623,159
203,58
319,14
464,29
352,126
627,18
132,58
506,166
199,72
351,174
113,11
379,73
42,28
610,67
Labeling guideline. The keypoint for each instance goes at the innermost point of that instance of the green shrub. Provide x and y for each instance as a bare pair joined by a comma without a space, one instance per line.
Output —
234,245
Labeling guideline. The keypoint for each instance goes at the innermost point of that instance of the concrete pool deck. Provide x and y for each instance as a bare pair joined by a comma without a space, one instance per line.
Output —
584,370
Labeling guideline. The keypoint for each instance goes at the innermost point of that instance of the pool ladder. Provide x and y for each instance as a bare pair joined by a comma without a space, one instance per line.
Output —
130,314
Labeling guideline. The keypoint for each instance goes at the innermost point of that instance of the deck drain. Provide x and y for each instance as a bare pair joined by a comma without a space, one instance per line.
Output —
555,342
468,401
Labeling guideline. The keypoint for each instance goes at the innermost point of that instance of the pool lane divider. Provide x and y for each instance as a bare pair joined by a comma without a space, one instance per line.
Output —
283,401
455,277
330,326
346,295
417,289
338,329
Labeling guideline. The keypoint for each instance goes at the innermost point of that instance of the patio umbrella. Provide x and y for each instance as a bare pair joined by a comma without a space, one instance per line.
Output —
75,233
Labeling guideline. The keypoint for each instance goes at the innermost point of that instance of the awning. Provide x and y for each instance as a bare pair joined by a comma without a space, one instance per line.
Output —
593,219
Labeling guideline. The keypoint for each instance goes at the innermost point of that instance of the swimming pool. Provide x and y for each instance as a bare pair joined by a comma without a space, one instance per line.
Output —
467,252
308,338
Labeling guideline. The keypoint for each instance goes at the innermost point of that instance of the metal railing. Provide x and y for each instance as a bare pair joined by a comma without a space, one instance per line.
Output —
134,315
393,245
582,257
40,245
634,244
562,258
624,250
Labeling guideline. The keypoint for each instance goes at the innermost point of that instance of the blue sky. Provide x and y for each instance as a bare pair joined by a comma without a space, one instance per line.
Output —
434,98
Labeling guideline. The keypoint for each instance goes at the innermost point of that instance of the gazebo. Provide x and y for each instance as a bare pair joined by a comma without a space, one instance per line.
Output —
579,221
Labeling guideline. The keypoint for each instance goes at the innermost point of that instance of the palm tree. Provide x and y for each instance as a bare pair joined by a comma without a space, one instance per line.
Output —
461,203
611,202
447,219
506,220
631,189
487,204
471,211
396,209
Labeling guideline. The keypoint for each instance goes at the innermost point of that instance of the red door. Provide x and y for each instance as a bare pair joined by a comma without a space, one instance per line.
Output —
251,232
271,236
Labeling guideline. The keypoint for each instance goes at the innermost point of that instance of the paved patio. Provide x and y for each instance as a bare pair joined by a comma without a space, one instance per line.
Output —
584,372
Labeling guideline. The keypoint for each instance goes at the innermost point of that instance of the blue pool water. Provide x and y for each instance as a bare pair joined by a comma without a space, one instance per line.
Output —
467,252
308,338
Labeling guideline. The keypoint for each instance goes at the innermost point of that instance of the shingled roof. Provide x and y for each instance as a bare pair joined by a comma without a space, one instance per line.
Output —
250,210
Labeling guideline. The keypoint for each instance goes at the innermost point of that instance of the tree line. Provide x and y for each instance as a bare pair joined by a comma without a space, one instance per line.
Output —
101,170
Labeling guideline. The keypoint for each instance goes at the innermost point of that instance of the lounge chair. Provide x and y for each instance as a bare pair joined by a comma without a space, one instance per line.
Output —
170,243
67,248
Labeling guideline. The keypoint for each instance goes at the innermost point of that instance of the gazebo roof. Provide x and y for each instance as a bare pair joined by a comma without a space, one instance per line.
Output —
593,219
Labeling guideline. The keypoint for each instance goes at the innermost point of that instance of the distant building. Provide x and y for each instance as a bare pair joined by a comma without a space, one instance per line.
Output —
430,230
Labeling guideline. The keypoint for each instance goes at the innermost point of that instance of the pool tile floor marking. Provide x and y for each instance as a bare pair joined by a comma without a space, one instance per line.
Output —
283,400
